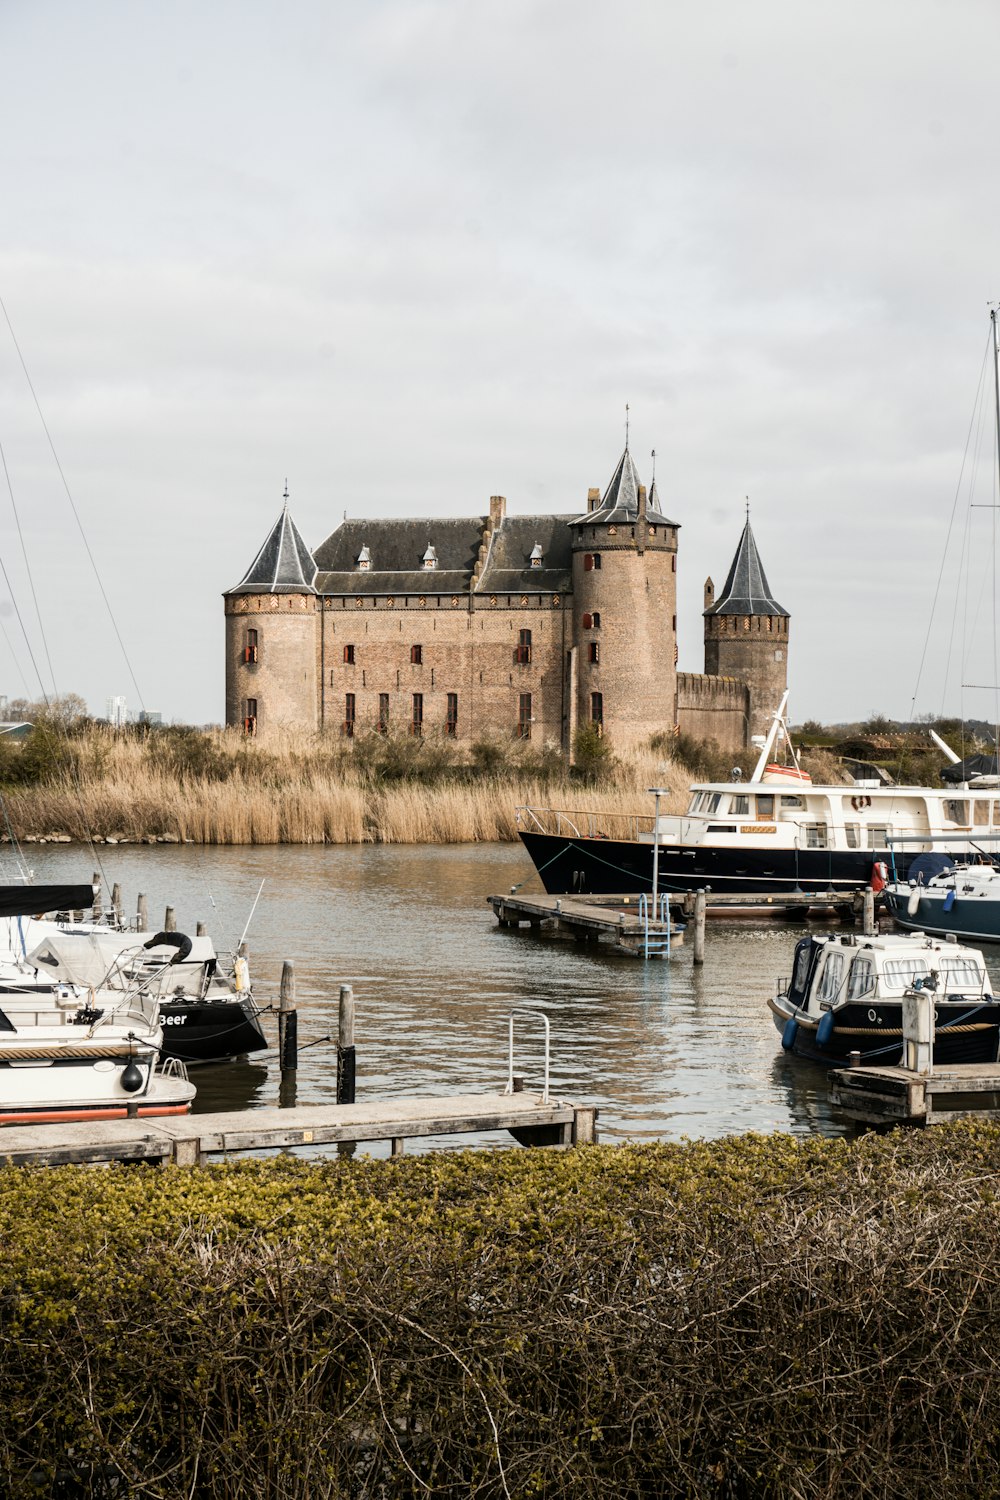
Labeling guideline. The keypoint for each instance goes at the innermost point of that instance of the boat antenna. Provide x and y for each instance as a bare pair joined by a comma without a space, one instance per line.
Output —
250,917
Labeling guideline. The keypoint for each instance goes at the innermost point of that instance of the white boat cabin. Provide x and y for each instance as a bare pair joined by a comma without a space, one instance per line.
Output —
833,971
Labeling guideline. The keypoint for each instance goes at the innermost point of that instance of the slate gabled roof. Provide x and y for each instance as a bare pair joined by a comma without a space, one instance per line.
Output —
620,503
746,590
396,550
508,568
284,565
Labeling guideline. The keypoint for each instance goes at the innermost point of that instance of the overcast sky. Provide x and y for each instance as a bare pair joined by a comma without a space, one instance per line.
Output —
412,253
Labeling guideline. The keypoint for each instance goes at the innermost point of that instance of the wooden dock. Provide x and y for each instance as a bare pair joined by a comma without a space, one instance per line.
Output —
618,920
191,1140
899,1096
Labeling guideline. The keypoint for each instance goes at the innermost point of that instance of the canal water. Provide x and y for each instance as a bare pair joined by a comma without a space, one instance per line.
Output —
665,1050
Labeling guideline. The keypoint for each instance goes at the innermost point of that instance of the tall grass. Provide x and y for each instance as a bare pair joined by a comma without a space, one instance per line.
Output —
219,788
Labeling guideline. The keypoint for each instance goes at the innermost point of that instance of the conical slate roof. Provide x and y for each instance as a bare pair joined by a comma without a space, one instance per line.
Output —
284,565
746,590
621,499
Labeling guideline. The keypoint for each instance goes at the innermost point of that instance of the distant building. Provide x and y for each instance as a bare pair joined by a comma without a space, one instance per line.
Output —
493,625
117,712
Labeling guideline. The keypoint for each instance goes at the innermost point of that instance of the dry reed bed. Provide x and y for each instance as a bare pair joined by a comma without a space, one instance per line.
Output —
302,793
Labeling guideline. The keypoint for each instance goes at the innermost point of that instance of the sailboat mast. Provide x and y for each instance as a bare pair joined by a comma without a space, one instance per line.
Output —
996,383
996,398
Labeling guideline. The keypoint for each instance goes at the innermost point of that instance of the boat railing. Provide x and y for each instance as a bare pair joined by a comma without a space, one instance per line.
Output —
585,824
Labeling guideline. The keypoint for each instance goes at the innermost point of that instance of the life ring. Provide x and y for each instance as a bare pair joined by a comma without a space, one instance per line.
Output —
860,803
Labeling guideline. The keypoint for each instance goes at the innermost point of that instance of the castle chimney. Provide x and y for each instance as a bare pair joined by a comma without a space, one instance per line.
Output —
709,593
593,500
498,509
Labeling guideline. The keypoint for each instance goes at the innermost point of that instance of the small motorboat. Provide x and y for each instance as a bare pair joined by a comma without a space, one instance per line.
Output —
846,996
64,1057
952,900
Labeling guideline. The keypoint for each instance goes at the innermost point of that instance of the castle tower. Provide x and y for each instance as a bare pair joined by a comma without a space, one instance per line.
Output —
746,633
624,674
272,635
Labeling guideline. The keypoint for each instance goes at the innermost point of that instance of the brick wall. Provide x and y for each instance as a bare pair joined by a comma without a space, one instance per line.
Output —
753,648
713,708
283,680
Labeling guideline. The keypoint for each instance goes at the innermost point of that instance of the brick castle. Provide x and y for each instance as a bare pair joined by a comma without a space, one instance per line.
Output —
501,625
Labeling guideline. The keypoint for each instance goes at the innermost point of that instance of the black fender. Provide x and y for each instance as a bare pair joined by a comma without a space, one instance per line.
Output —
178,940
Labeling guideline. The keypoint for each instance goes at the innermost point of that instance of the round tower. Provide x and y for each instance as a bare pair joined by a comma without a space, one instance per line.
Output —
625,611
746,634
271,637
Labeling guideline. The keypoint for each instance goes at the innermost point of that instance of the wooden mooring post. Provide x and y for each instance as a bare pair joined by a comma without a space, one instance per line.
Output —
699,928
868,912
346,1063
116,904
142,913
288,1021
98,907
169,920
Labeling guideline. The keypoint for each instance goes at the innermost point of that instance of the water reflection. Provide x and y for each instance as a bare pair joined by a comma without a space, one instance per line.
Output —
664,1050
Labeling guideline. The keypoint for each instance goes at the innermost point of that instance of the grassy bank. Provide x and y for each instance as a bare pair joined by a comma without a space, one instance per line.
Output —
217,787
748,1318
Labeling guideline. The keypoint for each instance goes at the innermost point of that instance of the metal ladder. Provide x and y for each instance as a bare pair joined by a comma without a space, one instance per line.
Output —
655,944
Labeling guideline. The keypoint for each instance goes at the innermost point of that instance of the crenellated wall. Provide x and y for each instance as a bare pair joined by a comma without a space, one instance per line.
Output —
713,708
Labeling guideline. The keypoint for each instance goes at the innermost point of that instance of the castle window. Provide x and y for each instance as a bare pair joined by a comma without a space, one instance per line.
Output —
250,649
779,656
587,622
430,557
417,655
250,716
417,717
349,655
594,651
535,560
524,717
596,620
383,713
673,624
451,721
349,715
364,560
597,711
523,653
591,560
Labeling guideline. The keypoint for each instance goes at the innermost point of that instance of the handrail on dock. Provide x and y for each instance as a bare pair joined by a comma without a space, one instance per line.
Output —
525,1010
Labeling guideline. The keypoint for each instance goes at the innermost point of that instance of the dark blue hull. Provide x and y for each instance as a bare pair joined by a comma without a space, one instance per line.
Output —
623,867
968,920
965,1032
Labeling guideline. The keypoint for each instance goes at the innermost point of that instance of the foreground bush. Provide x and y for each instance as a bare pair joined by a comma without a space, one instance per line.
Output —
746,1318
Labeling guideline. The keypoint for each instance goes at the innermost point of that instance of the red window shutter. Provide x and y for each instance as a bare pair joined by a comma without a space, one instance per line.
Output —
588,622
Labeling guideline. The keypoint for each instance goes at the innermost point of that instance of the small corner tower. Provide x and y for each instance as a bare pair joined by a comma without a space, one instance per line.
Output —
623,672
271,636
746,633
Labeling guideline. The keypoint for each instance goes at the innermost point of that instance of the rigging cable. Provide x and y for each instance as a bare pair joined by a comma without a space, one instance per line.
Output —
72,503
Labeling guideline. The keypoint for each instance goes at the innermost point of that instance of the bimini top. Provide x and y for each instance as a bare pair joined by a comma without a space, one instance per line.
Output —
620,503
746,590
284,565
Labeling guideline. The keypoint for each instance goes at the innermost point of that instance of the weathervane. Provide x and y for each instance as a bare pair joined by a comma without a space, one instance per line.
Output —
653,456
626,426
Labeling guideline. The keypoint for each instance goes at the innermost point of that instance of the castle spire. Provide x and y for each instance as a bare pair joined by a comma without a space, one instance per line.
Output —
284,565
746,590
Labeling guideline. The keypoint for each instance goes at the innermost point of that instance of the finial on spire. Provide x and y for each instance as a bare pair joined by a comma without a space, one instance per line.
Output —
748,506
286,494
626,426
653,480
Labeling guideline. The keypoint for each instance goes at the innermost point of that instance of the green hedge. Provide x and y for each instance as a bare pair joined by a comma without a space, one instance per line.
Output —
750,1317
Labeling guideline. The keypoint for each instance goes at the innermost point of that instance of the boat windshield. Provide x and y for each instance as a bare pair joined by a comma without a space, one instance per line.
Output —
957,973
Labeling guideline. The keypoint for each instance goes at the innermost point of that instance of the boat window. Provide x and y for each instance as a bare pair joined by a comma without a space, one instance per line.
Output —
899,973
833,973
740,806
996,815
961,974
957,811
862,980
765,807
814,835
711,802
980,812
803,963
852,832
878,833
787,802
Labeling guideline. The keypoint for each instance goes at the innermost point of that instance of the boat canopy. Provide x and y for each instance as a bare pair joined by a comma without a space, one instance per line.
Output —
36,900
